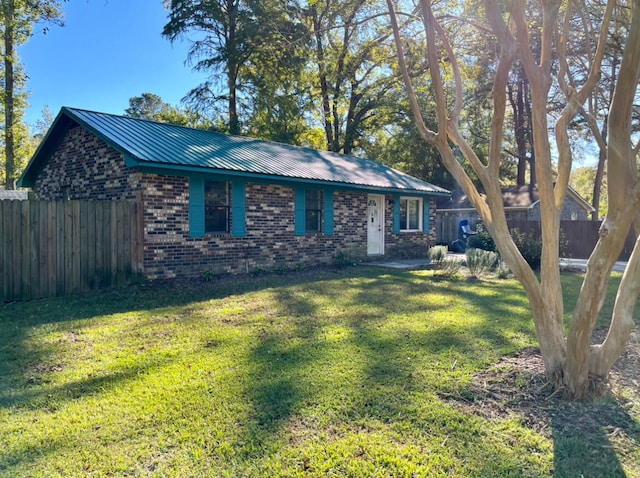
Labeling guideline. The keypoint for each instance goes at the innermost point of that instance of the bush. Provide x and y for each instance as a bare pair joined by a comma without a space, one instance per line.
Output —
530,247
437,255
503,270
481,240
481,262
450,267
341,259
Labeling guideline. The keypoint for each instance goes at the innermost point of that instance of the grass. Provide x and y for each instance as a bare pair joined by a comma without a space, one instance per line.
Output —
328,374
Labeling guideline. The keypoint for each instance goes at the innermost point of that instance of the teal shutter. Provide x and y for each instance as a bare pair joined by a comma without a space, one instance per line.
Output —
426,220
328,212
396,214
239,209
196,207
300,212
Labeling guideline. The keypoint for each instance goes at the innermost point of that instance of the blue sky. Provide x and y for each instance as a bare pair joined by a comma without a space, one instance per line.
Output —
107,52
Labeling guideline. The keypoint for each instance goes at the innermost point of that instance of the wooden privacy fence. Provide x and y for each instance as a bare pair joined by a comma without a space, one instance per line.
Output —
580,237
52,248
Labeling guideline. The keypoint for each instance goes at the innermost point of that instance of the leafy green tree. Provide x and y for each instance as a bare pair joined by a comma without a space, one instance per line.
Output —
150,106
231,37
351,76
146,106
42,125
277,101
18,18
583,180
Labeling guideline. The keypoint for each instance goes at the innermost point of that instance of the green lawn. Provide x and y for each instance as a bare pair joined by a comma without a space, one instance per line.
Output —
347,373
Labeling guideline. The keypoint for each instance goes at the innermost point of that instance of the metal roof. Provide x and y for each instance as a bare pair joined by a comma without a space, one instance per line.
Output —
513,198
160,145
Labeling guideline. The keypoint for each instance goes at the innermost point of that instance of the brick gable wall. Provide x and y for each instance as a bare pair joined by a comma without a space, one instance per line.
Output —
87,168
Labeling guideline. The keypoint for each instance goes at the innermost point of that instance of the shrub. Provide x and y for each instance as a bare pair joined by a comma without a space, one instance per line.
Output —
342,259
481,240
207,276
480,262
530,247
450,267
437,255
503,270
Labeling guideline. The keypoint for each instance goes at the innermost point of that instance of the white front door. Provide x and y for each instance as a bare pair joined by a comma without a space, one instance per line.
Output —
375,224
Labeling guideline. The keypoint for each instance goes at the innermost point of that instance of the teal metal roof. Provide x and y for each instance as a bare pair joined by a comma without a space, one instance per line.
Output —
150,144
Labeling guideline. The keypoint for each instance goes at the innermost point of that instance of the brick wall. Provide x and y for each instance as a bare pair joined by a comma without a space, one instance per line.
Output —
270,241
84,167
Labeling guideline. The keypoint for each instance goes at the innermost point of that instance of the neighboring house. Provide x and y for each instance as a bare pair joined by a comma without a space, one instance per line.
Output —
521,203
13,195
217,203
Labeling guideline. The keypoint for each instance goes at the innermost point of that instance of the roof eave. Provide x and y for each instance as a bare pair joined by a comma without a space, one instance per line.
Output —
150,167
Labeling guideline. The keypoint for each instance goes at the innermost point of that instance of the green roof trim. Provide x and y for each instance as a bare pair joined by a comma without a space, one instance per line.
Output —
177,149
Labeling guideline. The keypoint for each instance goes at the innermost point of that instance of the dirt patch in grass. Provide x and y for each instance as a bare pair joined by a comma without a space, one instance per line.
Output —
517,386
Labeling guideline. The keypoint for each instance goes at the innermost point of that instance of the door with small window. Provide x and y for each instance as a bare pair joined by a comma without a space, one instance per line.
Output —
375,225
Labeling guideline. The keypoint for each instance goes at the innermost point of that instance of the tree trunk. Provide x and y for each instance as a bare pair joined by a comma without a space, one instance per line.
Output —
624,199
322,75
602,152
9,95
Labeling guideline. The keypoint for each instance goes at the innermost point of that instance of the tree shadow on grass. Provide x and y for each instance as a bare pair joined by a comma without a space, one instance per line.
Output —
41,396
386,382
588,438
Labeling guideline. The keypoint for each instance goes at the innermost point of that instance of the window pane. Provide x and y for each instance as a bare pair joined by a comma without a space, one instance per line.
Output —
413,214
313,199
403,214
216,206
312,221
313,213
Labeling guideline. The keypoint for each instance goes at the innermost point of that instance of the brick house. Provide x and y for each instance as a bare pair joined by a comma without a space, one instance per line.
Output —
218,203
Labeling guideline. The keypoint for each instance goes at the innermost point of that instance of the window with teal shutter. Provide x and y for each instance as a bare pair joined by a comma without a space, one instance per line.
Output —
313,211
213,205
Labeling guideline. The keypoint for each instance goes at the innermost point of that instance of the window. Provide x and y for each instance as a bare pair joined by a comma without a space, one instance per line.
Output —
410,214
313,210
216,206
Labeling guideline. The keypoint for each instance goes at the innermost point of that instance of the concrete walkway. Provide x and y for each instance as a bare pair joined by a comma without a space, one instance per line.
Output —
565,263
402,263
581,264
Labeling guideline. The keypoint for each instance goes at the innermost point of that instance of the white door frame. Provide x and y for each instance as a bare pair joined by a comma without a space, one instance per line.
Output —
375,224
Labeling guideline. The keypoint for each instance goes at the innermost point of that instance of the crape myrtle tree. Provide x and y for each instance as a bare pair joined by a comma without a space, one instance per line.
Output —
571,361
